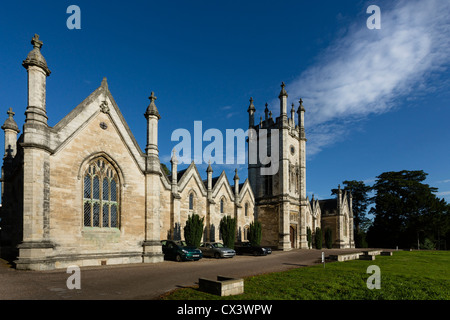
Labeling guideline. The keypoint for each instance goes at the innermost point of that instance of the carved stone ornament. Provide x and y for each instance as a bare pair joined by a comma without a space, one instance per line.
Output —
104,107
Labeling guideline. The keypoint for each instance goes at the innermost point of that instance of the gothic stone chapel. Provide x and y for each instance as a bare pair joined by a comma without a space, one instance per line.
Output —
83,192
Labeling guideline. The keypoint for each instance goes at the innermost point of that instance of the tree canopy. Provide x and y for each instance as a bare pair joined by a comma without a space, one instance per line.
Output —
406,211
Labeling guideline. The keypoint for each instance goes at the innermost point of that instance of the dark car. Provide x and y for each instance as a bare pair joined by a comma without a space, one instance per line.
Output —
179,251
216,250
248,248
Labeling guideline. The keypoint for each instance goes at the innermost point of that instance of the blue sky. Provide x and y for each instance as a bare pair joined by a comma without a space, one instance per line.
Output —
376,100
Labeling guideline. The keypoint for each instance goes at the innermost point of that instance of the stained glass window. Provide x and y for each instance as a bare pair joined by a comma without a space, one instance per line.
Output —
100,195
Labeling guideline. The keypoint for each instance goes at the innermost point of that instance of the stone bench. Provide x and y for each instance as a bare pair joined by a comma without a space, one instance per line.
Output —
372,252
367,257
345,256
223,286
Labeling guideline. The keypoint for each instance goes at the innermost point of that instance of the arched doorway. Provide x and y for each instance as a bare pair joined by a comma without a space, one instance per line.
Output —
292,236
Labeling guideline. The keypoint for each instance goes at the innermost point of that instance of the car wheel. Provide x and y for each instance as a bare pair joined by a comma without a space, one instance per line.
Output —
217,255
178,258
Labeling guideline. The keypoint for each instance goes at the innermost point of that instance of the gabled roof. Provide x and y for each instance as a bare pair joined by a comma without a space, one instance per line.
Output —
222,180
185,175
98,101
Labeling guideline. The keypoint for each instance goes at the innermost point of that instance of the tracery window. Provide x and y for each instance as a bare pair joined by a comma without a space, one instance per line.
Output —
100,195
191,201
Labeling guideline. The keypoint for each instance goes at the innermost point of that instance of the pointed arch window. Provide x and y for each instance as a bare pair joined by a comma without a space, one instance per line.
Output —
191,201
246,209
100,195
221,205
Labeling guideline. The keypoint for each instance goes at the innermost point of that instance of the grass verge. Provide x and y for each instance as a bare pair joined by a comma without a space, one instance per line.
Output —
416,275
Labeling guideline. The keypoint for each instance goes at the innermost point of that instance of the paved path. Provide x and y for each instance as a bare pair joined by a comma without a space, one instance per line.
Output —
145,281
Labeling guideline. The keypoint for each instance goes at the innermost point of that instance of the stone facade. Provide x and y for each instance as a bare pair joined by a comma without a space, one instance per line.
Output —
281,204
83,192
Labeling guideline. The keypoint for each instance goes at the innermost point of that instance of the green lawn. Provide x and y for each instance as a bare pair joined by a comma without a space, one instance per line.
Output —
416,275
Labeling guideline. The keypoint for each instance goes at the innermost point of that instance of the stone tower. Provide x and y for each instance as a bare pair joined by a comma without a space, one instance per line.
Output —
36,152
280,195
152,247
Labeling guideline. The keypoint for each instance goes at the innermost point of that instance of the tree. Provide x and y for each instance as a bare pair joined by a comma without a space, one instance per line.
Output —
318,238
328,238
255,233
227,229
406,211
309,236
193,230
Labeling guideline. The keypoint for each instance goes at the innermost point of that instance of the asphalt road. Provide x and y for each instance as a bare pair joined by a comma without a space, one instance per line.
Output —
145,281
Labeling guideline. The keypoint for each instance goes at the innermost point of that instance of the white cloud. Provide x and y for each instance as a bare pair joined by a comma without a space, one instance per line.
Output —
443,193
364,71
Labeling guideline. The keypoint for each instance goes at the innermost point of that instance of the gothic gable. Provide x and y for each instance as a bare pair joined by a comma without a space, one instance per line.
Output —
100,102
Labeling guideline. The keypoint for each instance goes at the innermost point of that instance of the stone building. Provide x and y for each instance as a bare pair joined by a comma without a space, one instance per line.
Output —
281,204
83,192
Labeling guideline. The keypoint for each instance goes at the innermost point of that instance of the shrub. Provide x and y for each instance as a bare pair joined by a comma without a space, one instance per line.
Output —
309,236
227,228
255,233
193,230
318,238
428,245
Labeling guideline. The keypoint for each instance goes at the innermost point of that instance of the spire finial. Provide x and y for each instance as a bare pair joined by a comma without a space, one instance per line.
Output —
209,169
151,109
36,42
283,92
10,113
251,107
174,154
300,106
152,97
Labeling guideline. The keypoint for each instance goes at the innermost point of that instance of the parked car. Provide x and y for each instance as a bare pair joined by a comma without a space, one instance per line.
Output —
248,248
179,251
216,250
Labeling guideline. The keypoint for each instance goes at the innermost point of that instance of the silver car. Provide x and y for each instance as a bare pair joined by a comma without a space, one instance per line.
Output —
216,250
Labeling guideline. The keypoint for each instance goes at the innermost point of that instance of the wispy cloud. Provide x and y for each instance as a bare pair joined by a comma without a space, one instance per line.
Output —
363,72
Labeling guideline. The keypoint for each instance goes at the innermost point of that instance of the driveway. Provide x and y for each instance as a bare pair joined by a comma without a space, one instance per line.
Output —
145,281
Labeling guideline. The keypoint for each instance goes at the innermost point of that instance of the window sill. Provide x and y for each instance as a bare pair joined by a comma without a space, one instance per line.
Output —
99,230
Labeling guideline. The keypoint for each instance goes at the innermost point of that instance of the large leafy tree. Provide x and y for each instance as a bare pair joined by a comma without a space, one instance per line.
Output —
406,210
